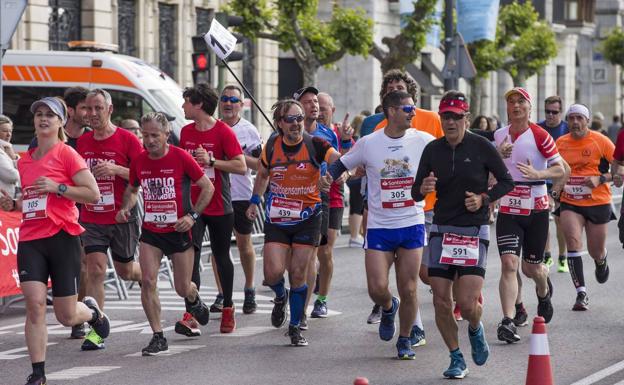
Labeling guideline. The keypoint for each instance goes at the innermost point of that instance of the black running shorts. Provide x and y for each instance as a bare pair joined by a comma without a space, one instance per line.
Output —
169,243
303,233
242,224
598,215
526,233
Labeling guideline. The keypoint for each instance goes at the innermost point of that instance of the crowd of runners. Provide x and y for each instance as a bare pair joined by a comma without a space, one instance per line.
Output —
424,181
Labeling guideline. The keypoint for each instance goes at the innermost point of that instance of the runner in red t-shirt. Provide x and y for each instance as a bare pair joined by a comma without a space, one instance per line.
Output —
215,147
164,173
108,151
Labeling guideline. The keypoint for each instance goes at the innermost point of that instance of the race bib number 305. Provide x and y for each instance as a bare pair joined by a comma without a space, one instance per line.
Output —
517,201
396,192
161,213
461,250
285,210
34,204
107,199
576,188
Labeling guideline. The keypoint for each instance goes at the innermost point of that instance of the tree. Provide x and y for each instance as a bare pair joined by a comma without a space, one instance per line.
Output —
294,24
405,47
613,47
526,43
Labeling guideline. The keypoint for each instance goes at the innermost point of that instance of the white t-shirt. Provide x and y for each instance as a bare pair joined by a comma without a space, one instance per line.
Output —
391,166
241,186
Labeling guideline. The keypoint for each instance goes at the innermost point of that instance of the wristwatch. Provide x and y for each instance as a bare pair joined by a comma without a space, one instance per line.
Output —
62,189
212,161
194,215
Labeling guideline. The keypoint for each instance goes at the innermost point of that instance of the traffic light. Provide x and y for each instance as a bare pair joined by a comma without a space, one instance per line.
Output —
202,63
232,21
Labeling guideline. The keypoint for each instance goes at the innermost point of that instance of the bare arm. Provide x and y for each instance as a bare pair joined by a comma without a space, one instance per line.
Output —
252,162
205,195
558,183
235,165
260,185
128,202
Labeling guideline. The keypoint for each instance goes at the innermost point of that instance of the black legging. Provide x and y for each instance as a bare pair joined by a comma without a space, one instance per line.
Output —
220,232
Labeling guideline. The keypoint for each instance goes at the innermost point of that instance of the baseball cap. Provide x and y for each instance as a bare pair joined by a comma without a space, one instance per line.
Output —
521,91
578,109
456,105
54,104
297,95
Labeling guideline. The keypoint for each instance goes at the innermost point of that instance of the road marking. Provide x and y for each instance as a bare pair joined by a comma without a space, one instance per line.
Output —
79,372
245,332
9,354
173,349
606,372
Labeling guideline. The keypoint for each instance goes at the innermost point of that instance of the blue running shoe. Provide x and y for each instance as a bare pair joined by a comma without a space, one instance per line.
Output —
417,336
480,348
404,349
457,369
386,326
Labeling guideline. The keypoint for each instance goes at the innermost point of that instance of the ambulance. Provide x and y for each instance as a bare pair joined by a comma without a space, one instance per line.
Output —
136,87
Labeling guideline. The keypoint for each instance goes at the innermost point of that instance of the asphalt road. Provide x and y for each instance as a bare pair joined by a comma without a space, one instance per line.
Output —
342,347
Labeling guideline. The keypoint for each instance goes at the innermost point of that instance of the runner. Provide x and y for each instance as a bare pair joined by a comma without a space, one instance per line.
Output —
108,151
395,229
53,177
164,173
215,147
586,198
290,165
531,157
460,233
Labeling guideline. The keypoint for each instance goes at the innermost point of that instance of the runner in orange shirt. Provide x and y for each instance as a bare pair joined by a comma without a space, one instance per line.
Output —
585,198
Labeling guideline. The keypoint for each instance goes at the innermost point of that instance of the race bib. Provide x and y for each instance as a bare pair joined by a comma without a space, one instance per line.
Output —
107,199
460,250
161,212
285,210
34,204
517,201
575,188
396,192
210,173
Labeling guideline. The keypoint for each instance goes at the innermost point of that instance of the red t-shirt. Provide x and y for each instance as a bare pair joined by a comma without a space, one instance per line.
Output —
618,154
221,141
46,214
120,148
165,184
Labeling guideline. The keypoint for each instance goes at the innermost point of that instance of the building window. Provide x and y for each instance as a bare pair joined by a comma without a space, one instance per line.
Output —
167,36
64,23
580,10
126,27
203,18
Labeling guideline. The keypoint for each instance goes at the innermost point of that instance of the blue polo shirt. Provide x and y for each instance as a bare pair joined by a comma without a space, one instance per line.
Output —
369,124
555,132
326,133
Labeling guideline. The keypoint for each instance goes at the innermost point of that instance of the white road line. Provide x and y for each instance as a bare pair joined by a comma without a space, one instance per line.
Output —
10,354
79,372
245,332
601,374
173,349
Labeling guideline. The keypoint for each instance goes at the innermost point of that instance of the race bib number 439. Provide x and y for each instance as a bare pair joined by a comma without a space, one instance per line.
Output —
285,210
396,192
461,250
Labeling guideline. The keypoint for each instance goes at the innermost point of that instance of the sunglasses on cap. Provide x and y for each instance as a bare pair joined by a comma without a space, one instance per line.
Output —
451,115
231,99
293,118
407,108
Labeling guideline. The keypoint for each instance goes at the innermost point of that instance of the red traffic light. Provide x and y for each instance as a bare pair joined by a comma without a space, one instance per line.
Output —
201,61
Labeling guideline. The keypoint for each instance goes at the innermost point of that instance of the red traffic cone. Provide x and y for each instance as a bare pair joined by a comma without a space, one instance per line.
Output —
360,381
539,371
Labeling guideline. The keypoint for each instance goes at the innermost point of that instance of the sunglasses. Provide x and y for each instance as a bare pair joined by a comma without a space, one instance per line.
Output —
293,118
408,108
451,115
231,99
552,112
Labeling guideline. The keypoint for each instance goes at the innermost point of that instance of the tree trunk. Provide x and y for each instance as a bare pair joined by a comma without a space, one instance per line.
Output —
476,93
310,73
520,79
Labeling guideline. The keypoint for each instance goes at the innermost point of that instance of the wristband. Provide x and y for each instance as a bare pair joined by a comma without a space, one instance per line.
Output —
346,144
255,199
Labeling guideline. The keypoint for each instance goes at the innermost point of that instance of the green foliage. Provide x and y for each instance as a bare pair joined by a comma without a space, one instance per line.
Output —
613,47
485,57
353,29
419,23
256,13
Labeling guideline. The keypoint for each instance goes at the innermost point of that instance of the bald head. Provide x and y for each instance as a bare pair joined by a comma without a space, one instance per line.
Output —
326,109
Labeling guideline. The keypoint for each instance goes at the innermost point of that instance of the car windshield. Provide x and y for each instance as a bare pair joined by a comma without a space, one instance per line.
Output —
171,101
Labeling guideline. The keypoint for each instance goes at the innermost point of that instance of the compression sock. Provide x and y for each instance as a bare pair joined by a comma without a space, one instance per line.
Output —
575,264
279,289
297,301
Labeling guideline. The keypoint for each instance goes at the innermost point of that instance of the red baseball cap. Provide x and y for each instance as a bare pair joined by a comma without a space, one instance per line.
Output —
456,105
521,91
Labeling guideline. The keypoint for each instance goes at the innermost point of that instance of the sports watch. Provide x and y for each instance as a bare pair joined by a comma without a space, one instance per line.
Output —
62,189
194,215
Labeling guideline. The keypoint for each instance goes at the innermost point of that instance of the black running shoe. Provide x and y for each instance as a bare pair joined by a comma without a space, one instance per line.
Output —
507,331
200,311
296,338
280,310
32,380
544,305
217,306
249,304
102,324
602,271
582,301
157,345
521,317
303,324
78,332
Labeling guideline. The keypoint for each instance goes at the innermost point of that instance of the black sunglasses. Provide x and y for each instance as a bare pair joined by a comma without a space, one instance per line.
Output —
293,118
451,115
552,112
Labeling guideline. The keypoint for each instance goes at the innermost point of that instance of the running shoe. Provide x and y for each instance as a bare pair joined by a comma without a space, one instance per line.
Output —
320,309
78,332
457,313
93,341
101,325
200,311
386,325
188,326
280,308
157,345
602,271
217,306
32,380
548,261
480,348
356,243
404,349
582,301
457,369
303,324
417,336
562,265
228,320
296,338
521,317
507,331
375,315
249,304
544,305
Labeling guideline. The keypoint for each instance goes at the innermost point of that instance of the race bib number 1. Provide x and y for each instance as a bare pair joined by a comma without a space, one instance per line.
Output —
285,210
161,212
107,199
517,201
576,188
34,204
396,192
461,250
